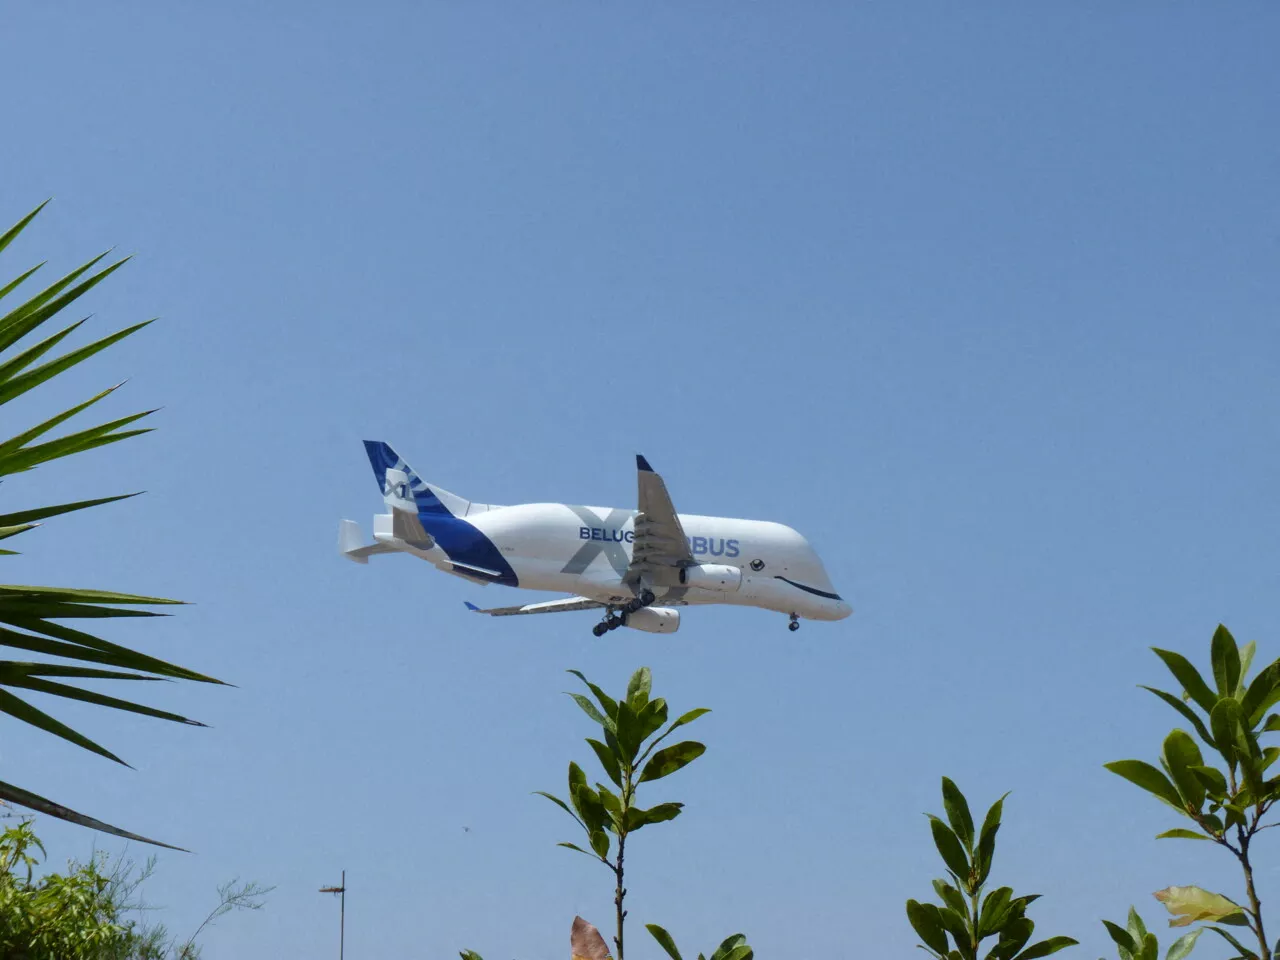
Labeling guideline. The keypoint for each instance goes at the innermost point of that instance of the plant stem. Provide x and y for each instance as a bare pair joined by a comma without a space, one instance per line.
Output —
973,900
620,892
1254,906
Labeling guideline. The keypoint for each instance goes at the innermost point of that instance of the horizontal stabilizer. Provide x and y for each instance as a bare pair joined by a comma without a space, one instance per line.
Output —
351,543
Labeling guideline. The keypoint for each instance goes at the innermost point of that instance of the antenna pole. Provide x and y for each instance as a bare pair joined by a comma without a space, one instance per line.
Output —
342,916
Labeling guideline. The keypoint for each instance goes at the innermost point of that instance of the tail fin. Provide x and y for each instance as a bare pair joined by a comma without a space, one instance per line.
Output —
400,484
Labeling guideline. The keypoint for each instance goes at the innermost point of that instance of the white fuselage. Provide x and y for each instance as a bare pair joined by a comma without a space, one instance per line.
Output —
586,551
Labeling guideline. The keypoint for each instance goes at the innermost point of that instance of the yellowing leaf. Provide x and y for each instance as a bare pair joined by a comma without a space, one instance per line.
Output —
1190,904
586,942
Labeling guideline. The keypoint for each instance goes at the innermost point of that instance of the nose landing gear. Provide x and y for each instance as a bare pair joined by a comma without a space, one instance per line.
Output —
794,625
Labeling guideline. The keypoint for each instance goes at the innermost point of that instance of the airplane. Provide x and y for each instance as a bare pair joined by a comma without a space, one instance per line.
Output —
637,566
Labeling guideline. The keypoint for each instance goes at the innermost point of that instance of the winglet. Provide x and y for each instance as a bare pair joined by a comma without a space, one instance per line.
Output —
471,606
642,463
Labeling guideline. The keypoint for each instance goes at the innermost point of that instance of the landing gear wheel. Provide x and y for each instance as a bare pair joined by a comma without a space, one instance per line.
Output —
647,597
794,625
613,623
599,629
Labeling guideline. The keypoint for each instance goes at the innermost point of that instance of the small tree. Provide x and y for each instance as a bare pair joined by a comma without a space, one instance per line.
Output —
1135,942
1226,801
90,911
627,751
965,915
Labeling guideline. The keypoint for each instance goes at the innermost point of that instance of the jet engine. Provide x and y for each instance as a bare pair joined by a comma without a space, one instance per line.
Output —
719,577
654,620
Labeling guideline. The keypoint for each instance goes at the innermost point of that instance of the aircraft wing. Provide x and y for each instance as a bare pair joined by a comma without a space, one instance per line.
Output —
660,548
548,606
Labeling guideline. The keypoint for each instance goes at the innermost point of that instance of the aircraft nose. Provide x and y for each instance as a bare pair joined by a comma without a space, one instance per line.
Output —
843,610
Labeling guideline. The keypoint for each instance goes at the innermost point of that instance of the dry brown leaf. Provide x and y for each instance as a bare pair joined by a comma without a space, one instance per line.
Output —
586,942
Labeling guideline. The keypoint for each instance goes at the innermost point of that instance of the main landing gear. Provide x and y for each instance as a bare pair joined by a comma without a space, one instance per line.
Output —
613,621
794,625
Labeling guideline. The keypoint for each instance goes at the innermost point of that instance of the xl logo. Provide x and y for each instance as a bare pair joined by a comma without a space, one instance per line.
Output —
593,531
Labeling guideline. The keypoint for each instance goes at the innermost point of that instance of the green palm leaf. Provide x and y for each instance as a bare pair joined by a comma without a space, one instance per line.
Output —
30,616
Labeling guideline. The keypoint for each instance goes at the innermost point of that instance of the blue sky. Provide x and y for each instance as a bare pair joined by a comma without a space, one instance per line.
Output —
981,299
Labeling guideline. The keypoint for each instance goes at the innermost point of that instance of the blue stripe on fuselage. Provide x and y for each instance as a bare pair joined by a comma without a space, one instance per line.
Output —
466,544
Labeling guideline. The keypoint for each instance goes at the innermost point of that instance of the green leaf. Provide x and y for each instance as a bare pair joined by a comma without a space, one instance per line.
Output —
590,710
99,436
949,848
1148,778
25,798
637,818
8,236
1225,656
590,807
21,710
1191,904
18,281
629,737
1183,945
562,805
1046,947
1181,835
1191,716
1189,677
650,717
1246,660
21,320
82,646
1272,724
47,371
670,759
927,925
1012,939
957,810
1180,754
608,761
638,688
689,717
664,940
33,353
1262,694
611,802
995,911
987,840
600,843
607,704
32,681
20,440
1123,938
469,955
577,849
1215,783
1244,951
950,896
1225,722
954,923
1136,928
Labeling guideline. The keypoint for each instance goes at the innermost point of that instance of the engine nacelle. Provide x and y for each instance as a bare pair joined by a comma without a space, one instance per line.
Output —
654,620
718,577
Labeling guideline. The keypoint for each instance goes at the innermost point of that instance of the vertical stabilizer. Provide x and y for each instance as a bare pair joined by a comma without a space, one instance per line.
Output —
401,485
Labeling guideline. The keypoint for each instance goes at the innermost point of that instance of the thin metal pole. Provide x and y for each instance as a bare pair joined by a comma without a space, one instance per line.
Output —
342,916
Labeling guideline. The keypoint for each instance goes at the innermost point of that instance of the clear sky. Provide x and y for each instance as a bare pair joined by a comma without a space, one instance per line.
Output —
981,297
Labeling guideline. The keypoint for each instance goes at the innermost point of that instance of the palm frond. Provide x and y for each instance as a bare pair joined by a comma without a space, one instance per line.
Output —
30,615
